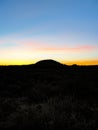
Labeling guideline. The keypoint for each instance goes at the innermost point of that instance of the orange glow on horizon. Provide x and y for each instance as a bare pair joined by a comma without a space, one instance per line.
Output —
82,62
27,62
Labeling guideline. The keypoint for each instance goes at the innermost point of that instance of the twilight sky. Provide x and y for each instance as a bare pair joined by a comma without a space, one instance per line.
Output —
63,30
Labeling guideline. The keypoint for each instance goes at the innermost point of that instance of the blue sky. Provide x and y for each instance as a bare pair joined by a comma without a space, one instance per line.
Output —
63,30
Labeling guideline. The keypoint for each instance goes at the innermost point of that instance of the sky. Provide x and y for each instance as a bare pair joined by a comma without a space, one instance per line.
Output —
62,30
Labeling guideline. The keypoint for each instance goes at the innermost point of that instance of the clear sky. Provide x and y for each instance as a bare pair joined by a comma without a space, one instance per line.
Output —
63,30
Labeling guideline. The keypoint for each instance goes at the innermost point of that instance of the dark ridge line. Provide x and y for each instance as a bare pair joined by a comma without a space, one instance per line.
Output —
46,61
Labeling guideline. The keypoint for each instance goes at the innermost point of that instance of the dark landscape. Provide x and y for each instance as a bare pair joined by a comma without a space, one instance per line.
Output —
49,96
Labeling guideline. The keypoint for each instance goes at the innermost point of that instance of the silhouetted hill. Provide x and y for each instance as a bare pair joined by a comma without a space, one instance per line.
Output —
48,68
48,63
48,95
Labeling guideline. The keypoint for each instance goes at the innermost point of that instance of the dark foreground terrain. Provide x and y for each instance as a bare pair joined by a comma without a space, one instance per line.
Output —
49,96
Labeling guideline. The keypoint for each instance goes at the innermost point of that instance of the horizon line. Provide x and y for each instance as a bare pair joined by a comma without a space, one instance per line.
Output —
75,62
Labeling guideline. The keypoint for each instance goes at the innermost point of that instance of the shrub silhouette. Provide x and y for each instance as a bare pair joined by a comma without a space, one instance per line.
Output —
49,96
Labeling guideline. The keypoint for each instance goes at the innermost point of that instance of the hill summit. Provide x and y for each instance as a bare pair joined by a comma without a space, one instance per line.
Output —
48,64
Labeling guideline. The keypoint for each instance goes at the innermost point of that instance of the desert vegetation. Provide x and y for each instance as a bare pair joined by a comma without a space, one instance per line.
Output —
49,96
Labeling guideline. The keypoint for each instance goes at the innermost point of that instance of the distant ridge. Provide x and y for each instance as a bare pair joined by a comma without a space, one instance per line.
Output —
48,63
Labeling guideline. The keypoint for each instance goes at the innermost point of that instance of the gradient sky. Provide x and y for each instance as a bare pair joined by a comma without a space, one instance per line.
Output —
63,30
